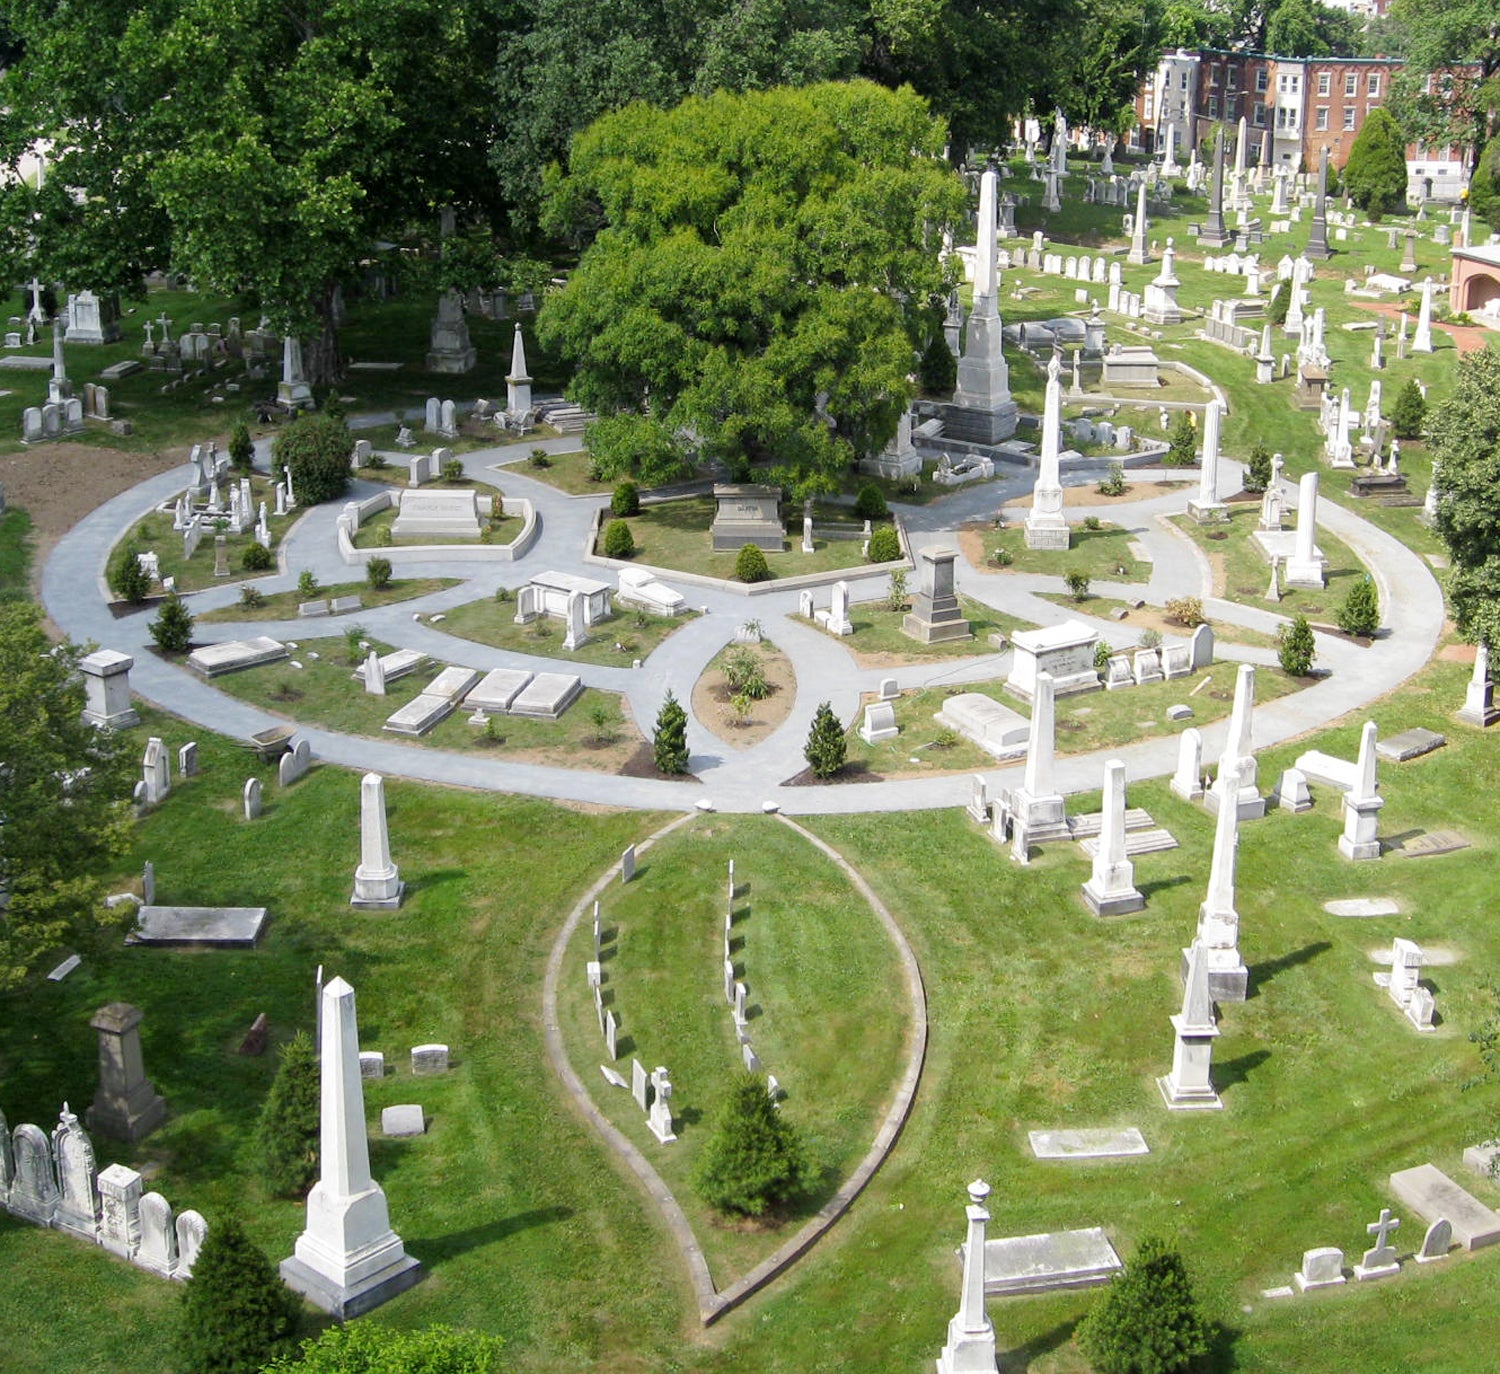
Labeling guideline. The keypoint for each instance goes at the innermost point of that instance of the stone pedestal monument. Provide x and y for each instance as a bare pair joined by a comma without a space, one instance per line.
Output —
1362,803
1218,921
377,881
1046,527
983,411
935,616
126,1105
1189,1086
106,682
448,348
1110,889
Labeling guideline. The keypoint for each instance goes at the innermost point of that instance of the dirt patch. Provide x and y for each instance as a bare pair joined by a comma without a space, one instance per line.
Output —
58,484
642,764
712,707
1456,653
1092,496
1151,618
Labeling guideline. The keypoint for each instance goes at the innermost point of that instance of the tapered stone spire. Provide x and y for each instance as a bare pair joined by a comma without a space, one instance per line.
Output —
1218,921
1190,1085
1110,889
348,1260
971,1335
377,881
1046,527
518,382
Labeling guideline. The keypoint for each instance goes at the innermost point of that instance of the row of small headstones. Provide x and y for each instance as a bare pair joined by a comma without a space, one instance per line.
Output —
1324,1266
737,994
653,1092
54,1184
156,780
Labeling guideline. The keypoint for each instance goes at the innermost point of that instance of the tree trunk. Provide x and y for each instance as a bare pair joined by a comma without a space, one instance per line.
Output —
324,363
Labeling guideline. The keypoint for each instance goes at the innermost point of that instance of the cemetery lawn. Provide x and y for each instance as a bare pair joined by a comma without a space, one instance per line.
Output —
472,438
674,535
567,472
613,643
323,692
1103,553
193,574
828,1012
375,533
15,554
923,746
1148,616
1242,573
877,641
283,605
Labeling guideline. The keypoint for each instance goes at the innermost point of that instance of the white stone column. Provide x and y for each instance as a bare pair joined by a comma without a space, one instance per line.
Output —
985,259
1218,921
1187,781
1208,507
1189,1086
1110,889
518,381
1305,568
1046,527
1239,753
1362,803
377,881
971,1336
1037,804
1139,254
348,1260
1421,341
1479,708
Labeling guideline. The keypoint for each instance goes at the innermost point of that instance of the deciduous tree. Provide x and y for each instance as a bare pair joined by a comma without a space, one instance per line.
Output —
1464,441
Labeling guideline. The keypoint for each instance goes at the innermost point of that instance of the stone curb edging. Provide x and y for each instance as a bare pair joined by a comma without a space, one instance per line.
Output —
403,555
713,1304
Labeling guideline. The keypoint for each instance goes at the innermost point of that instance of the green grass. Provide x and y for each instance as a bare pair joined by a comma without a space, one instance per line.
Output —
193,574
472,437
614,643
1103,553
828,1011
675,535
1247,574
15,554
1101,607
568,472
923,746
878,631
283,605
322,692
374,533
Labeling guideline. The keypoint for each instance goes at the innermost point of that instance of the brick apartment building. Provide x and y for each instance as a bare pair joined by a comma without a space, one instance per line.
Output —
1292,108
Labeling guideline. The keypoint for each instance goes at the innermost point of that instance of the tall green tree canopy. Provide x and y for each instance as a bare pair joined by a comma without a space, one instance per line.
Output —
1442,38
1116,43
1375,174
1464,440
64,793
759,279
1309,28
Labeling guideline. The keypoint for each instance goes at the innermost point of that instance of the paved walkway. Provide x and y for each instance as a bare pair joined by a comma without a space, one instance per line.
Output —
74,592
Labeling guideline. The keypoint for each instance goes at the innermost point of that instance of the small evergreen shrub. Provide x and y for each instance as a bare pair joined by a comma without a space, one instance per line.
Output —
241,447
1360,613
1078,585
885,544
753,1160
252,598
1114,481
1147,1321
451,470
669,746
128,580
1258,468
378,573
257,558
307,582
173,627
1092,523
745,672
287,1137
236,1314
1182,442
1296,648
1409,412
1150,639
625,499
618,540
750,565
826,746
869,503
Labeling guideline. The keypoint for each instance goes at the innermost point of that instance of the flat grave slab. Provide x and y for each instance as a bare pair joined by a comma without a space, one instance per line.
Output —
993,727
547,696
1088,826
1104,1143
64,969
1153,841
1316,766
405,1119
1410,744
496,690
115,371
20,362
1431,1194
1478,1158
451,683
1056,1259
1432,842
420,714
1363,906
396,664
202,927
213,660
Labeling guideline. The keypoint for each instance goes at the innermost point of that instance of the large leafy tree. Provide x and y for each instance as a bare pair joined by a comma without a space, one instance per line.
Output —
1118,42
763,268
64,793
261,146
1464,440
1450,90
1309,28
1375,175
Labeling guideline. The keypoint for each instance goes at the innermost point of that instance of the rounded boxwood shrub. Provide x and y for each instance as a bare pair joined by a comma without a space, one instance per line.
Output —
885,545
618,540
256,558
378,572
870,504
173,627
318,449
750,565
626,499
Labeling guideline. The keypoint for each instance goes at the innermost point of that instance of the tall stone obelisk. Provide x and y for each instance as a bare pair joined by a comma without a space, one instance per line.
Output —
1317,240
971,1336
348,1260
377,881
983,411
1214,234
1046,527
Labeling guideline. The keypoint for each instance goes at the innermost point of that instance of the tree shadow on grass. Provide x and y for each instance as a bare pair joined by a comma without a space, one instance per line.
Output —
1265,972
1221,1357
437,1249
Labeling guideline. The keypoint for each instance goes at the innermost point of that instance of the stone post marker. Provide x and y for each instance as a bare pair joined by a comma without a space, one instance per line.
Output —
126,1105
348,1260
1046,527
1362,804
106,681
1189,1086
971,1336
518,380
377,881
1111,890
1218,921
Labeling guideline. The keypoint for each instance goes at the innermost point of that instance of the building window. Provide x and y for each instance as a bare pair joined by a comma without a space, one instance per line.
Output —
1325,82
1213,107
1184,81
1213,76
1349,120
1321,123
1372,86
1262,80
1351,85
1259,114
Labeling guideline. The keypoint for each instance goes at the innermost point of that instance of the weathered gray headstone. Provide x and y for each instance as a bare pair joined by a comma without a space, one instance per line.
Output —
429,1059
252,799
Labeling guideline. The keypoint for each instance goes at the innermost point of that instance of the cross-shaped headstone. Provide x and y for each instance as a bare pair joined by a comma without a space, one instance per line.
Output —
1381,1229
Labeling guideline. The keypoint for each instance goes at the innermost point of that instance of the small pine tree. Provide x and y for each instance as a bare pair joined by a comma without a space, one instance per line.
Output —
885,545
287,1136
1258,469
1375,174
1410,411
1295,647
750,565
937,370
236,1313
669,741
173,627
618,540
1280,303
1182,442
869,503
1147,1321
826,747
129,580
241,447
753,1159
626,499
1360,613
